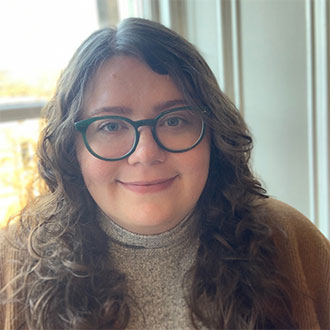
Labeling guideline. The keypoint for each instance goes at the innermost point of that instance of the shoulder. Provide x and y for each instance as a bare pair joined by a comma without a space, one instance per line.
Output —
7,236
12,249
289,223
294,235
303,256
11,255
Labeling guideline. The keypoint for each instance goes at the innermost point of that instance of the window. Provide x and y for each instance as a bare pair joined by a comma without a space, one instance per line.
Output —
38,38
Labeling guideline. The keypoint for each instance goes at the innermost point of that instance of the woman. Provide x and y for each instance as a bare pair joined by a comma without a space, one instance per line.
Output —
152,218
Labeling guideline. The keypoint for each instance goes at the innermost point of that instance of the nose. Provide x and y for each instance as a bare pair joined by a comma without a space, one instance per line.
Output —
147,152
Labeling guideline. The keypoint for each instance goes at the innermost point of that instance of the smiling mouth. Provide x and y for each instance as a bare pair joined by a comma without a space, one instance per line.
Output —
148,186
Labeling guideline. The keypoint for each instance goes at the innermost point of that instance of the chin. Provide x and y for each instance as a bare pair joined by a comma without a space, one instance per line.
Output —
150,223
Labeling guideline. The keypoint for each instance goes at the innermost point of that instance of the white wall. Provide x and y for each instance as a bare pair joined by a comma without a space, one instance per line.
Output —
274,80
272,58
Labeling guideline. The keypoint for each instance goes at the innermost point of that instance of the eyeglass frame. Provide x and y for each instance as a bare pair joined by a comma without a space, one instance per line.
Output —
82,126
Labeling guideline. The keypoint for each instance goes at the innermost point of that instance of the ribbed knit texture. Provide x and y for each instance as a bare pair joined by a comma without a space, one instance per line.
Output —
304,257
155,266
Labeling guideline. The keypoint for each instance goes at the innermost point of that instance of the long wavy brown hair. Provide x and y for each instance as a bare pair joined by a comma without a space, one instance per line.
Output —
64,268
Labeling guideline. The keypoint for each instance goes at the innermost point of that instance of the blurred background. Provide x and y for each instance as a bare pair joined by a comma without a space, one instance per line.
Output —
271,58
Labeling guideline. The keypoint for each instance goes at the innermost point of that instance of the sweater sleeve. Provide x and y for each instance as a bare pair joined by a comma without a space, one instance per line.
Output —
2,256
304,257
10,317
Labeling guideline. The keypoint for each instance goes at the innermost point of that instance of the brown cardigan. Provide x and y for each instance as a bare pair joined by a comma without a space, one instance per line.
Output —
304,257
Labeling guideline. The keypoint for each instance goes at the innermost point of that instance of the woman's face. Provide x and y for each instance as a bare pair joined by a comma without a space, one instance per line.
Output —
152,190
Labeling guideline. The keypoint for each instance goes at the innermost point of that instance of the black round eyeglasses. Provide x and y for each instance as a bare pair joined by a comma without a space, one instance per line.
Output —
114,138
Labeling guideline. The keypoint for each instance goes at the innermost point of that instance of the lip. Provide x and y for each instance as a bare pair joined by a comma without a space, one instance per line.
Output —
148,186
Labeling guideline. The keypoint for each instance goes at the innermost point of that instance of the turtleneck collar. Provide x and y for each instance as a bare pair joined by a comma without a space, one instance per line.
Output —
184,231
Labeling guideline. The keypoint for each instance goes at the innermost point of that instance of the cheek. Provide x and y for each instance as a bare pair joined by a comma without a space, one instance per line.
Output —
94,170
202,155
197,164
92,173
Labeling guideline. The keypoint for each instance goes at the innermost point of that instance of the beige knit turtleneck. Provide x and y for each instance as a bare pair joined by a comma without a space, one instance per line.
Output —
155,266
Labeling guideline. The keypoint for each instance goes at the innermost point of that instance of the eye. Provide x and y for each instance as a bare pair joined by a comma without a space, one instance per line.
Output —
112,126
173,121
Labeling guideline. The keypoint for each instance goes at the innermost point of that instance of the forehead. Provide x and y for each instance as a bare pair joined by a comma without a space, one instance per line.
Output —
128,83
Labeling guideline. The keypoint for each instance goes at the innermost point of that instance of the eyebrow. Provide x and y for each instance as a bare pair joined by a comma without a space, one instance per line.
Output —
168,104
112,110
119,110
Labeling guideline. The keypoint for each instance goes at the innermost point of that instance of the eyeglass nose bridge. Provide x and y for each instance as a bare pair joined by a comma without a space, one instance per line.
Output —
145,122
